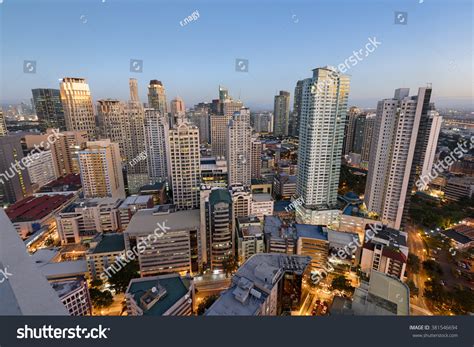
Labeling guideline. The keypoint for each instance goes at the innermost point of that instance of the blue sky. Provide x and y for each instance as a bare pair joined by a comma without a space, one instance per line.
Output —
283,41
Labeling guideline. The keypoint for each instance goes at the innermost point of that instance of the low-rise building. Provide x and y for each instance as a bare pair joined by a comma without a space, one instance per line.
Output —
265,285
459,187
131,205
261,185
284,186
107,249
313,241
85,218
386,251
74,294
279,237
249,235
262,205
157,190
165,295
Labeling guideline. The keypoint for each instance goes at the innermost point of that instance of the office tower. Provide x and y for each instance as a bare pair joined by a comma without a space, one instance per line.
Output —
351,119
367,138
133,85
265,285
14,179
323,111
199,116
281,111
219,124
394,141
262,122
157,97
358,135
41,169
29,294
156,134
111,122
223,93
184,165
65,151
78,109
249,238
218,222
241,202
296,114
101,170
49,108
239,149
256,157
3,124
171,249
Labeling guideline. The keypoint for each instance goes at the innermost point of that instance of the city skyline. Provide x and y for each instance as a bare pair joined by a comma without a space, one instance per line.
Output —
409,55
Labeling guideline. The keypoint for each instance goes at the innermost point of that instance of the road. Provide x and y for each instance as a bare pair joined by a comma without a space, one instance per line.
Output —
416,246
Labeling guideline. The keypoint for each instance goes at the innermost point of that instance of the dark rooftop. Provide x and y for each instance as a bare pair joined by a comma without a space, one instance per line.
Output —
65,183
35,208
452,234
110,243
220,195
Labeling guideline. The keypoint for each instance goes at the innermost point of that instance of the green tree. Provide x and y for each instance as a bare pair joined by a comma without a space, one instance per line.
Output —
413,263
206,303
432,268
119,281
341,283
101,298
229,264
414,291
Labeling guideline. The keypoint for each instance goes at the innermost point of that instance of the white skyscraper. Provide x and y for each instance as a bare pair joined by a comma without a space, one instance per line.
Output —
184,164
323,113
394,153
156,134
77,103
239,148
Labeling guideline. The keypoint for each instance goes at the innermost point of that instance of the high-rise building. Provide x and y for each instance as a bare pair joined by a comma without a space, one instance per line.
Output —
350,125
111,122
3,124
157,97
49,108
133,85
14,179
239,149
323,112
218,222
394,144
219,124
294,127
65,151
78,109
101,170
281,111
241,202
256,157
199,116
184,164
262,122
156,134
177,106
367,139
358,136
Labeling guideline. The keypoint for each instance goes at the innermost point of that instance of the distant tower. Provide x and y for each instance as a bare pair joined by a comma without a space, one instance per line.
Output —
133,84
281,113
78,109
3,124
49,108
156,134
157,97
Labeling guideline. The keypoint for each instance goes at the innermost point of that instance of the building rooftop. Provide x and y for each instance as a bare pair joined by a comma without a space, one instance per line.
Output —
153,187
92,202
35,208
456,236
171,289
253,282
145,221
262,197
281,205
220,195
136,200
318,232
68,183
112,242
63,288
